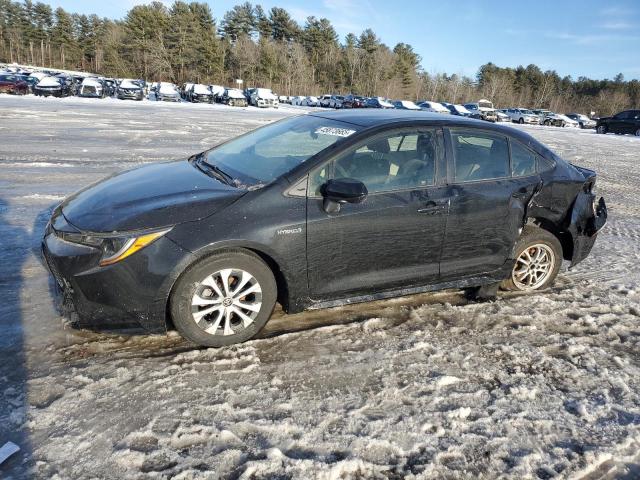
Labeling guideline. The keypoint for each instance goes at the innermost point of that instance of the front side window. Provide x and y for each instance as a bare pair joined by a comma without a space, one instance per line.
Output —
523,160
479,156
265,154
396,161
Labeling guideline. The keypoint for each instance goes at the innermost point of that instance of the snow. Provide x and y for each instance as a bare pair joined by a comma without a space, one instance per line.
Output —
91,82
128,84
426,386
235,93
167,89
201,89
49,82
265,93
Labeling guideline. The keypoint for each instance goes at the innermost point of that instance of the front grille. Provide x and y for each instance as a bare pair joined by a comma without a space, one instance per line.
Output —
54,270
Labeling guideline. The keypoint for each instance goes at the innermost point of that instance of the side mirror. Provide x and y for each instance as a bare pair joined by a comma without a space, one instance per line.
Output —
342,190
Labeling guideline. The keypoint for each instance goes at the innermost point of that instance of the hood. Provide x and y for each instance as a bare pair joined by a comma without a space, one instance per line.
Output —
91,82
128,84
152,196
49,82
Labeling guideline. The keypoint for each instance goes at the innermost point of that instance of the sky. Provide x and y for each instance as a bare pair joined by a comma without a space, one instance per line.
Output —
596,39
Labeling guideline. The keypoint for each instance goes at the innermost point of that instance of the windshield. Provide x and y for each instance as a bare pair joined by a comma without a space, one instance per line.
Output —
262,155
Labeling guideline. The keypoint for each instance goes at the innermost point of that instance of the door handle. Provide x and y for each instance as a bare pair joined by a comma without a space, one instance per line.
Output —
434,206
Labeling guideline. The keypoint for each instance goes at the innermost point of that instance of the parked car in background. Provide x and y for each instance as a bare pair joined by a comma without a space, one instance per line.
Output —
166,92
284,99
12,83
129,90
217,91
184,91
263,97
233,97
623,122
324,101
434,107
550,118
502,116
199,93
459,110
482,109
583,120
209,244
336,101
353,101
54,86
523,115
378,102
31,81
310,101
110,86
91,87
405,105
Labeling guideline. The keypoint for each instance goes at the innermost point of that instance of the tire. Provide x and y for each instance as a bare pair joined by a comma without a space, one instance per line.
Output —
532,241
230,328
637,133
601,129
521,121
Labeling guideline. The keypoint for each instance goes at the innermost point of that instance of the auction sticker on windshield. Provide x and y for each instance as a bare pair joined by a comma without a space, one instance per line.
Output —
336,132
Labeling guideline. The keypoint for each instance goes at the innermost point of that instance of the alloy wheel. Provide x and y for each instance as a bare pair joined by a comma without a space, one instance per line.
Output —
533,267
602,129
638,132
226,302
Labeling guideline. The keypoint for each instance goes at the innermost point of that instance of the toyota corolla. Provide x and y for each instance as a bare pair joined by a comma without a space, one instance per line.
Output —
316,211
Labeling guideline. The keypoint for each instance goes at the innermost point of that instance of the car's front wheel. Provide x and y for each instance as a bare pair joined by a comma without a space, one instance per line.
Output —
602,129
521,121
224,299
637,133
538,256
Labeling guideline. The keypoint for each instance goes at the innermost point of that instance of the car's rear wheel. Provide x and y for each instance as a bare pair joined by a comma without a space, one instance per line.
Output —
224,299
538,256
637,133
602,129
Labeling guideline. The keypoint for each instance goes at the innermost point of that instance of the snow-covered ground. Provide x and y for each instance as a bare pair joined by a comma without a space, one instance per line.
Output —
428,386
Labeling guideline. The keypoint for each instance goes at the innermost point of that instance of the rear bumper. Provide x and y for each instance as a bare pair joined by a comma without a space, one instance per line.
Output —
587,219
133,292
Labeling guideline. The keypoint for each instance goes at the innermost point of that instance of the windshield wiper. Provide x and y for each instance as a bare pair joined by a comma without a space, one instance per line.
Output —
212,170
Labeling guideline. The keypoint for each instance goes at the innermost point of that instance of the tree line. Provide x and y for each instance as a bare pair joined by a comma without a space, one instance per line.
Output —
184,42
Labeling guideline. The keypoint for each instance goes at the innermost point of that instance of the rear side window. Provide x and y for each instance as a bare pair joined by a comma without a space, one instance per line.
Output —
523,160
479,156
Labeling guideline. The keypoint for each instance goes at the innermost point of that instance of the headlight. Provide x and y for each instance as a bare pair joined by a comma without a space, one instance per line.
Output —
115,247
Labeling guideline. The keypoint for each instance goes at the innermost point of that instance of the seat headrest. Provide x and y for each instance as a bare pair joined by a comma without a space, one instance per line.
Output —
381,146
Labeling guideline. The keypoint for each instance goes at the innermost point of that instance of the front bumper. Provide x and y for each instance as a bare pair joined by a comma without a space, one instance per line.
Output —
46,92
196,98
130,95
133,292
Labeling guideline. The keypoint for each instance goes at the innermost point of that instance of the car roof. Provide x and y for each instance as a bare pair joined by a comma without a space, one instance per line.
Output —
369,118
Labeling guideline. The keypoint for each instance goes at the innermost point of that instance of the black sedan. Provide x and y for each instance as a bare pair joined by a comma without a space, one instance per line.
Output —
316,211
58,86
623,122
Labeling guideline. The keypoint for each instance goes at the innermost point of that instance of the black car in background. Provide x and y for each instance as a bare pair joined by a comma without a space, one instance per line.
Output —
378,102
353,101
321,210
29,80
623,122
55,86
130,90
